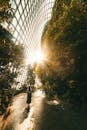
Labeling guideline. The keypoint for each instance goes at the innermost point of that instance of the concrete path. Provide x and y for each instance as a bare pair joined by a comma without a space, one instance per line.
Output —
43,115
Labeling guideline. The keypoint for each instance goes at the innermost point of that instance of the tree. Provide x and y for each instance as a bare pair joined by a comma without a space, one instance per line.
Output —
5,11
11,57
64,42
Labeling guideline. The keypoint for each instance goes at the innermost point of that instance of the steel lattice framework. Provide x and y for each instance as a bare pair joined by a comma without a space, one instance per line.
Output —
29,19
27,25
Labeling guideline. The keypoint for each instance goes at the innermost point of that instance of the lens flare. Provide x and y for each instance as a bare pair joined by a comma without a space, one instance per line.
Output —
36,57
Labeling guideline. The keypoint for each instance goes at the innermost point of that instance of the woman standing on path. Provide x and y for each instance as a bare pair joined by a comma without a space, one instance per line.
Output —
28,95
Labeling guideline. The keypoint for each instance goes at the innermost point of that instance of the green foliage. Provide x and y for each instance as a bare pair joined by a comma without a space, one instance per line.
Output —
11,57
9,52
64,42
5,11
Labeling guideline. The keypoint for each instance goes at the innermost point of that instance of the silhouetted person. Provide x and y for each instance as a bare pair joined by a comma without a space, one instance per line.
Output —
28,95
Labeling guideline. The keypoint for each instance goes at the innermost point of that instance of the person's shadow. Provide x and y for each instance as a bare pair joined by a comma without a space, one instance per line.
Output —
24,114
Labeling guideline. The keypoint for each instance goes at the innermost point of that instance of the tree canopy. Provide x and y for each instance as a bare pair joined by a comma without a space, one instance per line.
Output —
64,42
5,11
11,56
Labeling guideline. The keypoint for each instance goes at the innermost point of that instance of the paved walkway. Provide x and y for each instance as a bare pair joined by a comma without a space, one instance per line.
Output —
22,119
43,115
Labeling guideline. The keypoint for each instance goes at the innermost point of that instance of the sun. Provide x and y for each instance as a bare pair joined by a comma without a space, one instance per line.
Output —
37,57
